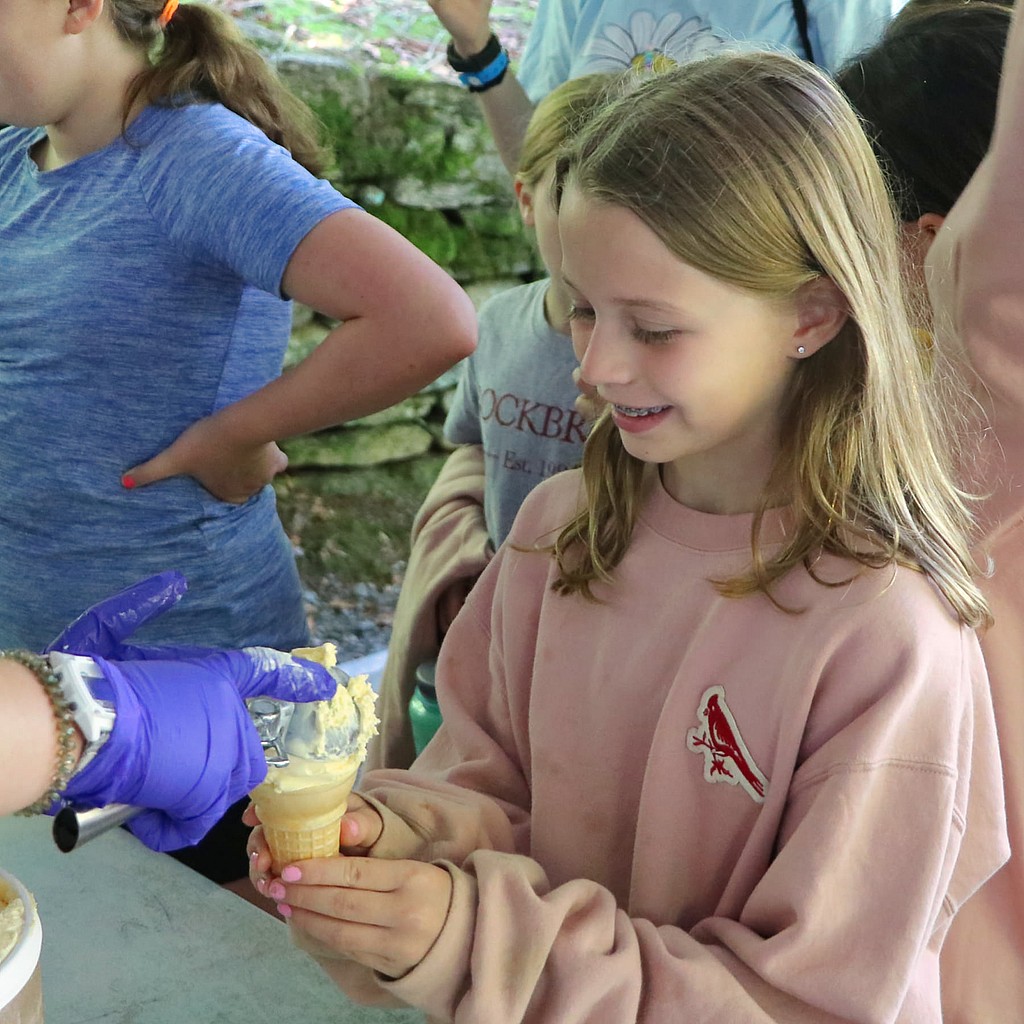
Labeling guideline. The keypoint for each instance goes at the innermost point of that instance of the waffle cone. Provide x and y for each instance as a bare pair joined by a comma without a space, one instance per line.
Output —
305,823
291,844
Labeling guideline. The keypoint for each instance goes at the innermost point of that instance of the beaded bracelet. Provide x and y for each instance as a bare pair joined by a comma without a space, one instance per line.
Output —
63,712
481,71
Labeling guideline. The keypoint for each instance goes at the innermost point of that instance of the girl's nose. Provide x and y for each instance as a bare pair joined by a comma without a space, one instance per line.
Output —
604,359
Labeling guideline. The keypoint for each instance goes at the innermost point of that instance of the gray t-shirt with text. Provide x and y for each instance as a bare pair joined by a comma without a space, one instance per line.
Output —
516,398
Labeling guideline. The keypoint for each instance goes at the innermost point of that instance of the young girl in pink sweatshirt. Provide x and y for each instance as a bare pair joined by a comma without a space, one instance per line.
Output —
717,739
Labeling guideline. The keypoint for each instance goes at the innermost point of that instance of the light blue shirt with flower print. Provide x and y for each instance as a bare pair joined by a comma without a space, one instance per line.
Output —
570,38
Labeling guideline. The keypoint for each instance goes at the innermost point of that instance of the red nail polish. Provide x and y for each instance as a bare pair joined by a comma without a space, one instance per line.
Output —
128,481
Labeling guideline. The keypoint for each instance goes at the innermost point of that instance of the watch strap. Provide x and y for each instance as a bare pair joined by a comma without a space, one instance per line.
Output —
95,717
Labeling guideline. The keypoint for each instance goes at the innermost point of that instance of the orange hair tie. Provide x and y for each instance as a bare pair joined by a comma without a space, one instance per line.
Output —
167,13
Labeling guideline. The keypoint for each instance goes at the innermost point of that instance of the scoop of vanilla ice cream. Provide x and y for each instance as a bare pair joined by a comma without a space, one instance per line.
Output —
325,654
353,706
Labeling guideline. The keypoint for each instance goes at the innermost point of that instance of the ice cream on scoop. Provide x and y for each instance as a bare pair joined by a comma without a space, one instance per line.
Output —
301,804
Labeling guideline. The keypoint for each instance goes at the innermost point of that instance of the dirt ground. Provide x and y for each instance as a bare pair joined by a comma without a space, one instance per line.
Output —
351,529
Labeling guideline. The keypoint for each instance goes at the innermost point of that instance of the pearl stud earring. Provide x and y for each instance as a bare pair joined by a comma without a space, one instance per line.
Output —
801,350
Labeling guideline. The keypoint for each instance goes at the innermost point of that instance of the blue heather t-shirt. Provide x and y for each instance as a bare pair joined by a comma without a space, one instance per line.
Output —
516,397
140,290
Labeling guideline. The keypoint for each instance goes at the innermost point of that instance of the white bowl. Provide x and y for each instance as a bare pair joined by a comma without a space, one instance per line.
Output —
19,965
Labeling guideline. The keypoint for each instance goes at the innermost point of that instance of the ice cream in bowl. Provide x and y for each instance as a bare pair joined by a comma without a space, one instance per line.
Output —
21,939
301,803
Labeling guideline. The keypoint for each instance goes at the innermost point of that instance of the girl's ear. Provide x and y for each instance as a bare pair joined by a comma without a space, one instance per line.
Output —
919,234
524,196
81,14
821,312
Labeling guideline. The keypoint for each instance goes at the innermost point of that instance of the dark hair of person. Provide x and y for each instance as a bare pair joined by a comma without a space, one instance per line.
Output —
927,95
201,55
915,7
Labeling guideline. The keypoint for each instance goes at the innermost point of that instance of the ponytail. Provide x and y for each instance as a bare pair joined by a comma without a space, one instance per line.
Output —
200,54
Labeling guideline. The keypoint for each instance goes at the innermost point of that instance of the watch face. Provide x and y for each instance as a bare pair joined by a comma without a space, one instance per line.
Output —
91,696
101,689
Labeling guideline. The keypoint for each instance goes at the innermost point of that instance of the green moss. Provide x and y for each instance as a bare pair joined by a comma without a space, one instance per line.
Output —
428,230
405,75
338,122
409,128
354,523
392,128
480,257
495,221
359,446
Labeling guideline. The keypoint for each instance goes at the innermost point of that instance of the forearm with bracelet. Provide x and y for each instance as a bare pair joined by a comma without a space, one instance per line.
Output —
69,683
481,71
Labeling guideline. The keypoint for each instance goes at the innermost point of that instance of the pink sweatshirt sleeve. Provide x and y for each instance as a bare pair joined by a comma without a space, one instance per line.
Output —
465,760
847,876
976,265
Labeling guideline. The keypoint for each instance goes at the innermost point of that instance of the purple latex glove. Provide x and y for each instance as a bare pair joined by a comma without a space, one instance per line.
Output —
183,743
103,629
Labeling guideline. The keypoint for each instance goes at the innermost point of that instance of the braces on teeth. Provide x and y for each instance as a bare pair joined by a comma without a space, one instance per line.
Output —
631,410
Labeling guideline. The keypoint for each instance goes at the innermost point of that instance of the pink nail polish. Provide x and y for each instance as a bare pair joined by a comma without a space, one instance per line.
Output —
284,910
128,481
291,874
276,891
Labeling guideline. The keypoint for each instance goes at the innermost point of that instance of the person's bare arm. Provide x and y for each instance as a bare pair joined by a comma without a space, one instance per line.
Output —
28,735
507,110
505,106
404,322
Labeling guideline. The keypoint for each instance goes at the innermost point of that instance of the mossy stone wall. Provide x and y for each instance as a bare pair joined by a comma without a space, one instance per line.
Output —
415,152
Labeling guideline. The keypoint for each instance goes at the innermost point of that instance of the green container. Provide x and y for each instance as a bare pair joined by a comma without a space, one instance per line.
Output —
424,713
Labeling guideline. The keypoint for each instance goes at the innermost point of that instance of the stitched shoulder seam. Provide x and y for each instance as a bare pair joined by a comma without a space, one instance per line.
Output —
852,767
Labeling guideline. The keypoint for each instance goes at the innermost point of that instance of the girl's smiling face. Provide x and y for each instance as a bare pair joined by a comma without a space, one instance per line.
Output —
696,370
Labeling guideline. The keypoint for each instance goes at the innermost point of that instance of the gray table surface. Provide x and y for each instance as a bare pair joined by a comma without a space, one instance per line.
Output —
133,937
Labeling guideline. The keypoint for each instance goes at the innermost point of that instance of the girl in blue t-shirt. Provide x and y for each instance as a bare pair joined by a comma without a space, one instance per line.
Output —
158,209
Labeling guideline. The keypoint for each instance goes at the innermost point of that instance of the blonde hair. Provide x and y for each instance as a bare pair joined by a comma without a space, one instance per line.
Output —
754,169
200,56
557,119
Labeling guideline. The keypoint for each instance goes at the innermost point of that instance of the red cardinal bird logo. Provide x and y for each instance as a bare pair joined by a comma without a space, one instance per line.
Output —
726,758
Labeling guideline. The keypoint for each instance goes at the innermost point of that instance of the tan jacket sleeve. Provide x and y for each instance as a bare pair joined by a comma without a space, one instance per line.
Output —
449,544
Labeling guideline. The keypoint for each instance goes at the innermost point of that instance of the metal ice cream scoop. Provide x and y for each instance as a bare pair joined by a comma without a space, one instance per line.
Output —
306,730
271,718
